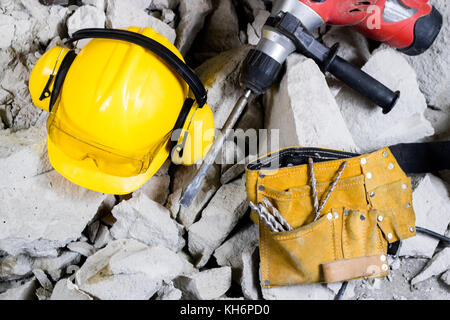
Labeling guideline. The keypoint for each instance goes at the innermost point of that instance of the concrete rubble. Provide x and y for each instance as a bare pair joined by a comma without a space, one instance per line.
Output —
59,241
129,270
439,264
230,253
218,219
431,203
22,292
206,285
148,222
66,290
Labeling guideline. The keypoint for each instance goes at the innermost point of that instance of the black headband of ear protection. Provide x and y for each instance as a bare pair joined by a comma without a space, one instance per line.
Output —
168,56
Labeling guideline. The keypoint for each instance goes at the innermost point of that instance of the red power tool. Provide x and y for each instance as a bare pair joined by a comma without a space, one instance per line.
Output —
408,25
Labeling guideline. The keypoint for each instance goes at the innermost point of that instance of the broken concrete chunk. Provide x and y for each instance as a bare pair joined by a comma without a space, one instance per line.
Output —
314,291
42,213
169,292
446,277
218,219
55,266
66,290
164,4
206,285
173,203
100,4
15,267
148,222
192,15
129,270
304,111
254,29
103,237
370,128
43,294
250,274
221,32
157,189
121,14
431,204
81,247
230,253
438,264
92,230
86,17
43,280
22,292
440,120
23,155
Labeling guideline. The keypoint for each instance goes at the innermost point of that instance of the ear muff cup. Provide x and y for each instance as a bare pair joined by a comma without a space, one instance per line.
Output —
195,138
43,76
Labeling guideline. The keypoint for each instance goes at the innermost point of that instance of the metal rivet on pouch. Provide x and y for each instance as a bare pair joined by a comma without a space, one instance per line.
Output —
412,229
262,175
380,218
261,188
346,213
336,215
267,283
391,166
372,194
385,267
383,258
330,216
369,175
362,217
404,186
408,205
363,161
385,154
390,236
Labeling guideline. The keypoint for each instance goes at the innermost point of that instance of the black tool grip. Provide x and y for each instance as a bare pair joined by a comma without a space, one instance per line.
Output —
363,83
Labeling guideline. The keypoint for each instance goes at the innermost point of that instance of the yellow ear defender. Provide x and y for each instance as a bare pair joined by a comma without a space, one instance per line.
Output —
116,105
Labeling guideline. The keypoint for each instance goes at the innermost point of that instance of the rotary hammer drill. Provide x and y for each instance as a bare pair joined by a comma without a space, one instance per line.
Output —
411,26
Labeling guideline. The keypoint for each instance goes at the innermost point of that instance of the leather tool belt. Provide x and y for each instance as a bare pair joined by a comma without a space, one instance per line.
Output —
369,208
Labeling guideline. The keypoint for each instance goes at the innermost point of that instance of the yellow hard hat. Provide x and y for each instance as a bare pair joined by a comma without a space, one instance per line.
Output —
114,108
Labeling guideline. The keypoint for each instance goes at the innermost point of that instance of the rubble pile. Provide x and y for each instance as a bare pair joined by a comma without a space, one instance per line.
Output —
60,241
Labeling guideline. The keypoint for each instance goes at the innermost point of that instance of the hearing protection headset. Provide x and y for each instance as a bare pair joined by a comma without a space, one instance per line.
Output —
155,47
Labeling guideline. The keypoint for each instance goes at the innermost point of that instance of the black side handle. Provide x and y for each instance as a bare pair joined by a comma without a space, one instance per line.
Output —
364,84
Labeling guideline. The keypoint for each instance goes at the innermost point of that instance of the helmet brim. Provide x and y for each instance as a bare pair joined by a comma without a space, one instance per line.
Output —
86,174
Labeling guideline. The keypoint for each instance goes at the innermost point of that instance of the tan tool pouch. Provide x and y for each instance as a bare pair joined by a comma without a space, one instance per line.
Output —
369,208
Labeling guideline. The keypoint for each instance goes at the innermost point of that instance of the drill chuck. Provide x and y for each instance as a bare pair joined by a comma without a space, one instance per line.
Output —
259,71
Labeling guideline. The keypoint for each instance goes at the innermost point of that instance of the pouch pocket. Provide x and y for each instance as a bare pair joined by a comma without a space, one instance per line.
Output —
361,234
298,257
295,257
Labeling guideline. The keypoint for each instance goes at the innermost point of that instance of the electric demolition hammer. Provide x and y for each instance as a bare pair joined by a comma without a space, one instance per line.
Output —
411,26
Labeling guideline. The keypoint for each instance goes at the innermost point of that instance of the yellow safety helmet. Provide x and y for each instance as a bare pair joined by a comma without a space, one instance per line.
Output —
116,107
